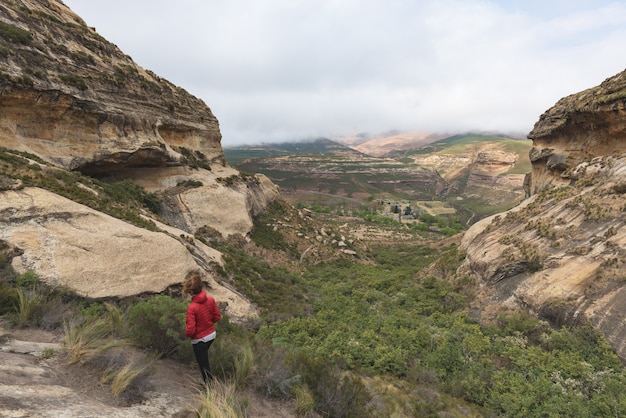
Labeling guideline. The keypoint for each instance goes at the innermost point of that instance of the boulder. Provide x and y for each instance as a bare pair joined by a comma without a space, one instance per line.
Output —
99,256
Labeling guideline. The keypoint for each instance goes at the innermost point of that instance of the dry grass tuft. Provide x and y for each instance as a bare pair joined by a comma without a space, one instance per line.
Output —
219,400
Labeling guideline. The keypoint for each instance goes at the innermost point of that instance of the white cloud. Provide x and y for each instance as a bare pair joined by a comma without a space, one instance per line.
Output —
287,69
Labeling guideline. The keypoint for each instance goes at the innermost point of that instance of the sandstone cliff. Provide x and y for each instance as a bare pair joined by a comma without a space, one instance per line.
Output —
487,171
78,103
562,252
100,256
75,99
579,127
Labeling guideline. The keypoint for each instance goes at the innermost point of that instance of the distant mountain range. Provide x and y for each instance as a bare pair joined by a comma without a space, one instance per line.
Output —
478,174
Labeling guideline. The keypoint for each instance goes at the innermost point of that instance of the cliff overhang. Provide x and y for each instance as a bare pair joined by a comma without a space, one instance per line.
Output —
577,128
561,253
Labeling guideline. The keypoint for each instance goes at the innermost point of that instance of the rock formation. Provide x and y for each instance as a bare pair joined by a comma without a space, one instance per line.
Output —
561,253
484,171
579,127
78,103
100,256
75,99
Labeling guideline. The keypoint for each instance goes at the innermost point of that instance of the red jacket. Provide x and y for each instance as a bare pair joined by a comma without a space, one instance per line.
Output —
202,314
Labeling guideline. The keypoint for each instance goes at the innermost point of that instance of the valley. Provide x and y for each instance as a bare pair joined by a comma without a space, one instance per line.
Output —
414,274
470,175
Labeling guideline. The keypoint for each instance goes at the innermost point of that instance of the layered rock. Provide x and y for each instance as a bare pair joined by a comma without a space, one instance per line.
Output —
100,256
223,198
78,103
579,127
561,253
75,99
485,171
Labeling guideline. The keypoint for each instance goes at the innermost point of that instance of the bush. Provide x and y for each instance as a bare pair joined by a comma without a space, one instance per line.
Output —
8,298
29,308
36,304
74,80
27,280
336,393
158,324
274,376
15,34
125,376
219,400
87,337
126,191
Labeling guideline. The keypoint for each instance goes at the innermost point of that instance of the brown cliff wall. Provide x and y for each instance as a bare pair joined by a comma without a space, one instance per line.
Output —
76,100
579,127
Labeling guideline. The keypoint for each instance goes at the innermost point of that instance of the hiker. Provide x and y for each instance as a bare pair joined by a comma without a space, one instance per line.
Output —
202,314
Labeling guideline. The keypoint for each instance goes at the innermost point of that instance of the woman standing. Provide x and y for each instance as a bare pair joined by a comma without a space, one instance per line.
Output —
202,314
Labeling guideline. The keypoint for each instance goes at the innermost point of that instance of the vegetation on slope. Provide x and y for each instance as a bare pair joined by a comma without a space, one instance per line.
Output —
324,173
123,199
386,333
401,316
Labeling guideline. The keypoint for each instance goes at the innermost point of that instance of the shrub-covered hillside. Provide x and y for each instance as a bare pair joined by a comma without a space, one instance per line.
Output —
386,329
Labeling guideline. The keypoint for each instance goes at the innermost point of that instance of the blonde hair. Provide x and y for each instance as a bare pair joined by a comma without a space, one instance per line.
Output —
193,283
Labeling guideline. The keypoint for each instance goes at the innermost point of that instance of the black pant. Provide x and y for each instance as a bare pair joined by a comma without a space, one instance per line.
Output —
201,351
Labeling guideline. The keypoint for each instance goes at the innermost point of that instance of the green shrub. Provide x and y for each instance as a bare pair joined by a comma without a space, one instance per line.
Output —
47,353
208,235
15,34
197,160
264,234
274,375
29,279
29,309
189,183
127,192
9,298
74,80
86,338
159,324
336,393
125,376
275,290
219,400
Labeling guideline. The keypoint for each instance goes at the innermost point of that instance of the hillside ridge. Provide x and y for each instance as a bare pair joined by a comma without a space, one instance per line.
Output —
561,252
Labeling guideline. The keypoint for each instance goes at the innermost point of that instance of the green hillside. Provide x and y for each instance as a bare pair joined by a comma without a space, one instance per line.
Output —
320,146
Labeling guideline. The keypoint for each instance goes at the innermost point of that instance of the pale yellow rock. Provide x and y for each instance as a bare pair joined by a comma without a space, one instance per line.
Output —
578,235
97,255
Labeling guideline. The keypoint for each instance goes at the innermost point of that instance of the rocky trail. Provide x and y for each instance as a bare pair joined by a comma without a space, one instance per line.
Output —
36,381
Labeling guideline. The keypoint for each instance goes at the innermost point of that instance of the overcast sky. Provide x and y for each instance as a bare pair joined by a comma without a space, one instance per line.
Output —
275,70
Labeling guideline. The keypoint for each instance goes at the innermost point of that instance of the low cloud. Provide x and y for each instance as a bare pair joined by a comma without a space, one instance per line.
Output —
280,69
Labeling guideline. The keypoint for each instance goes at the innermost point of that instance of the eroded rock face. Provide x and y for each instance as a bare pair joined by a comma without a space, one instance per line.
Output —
562,252
223,199
100,256
578,128
76,100
481,172
487,177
